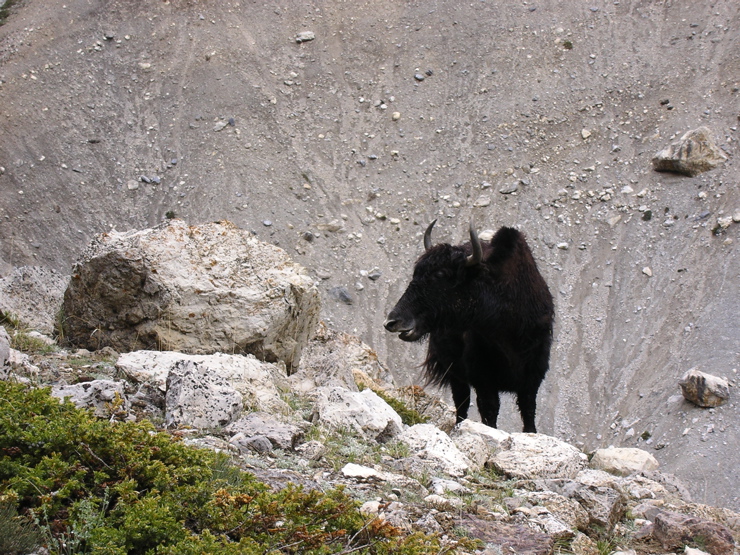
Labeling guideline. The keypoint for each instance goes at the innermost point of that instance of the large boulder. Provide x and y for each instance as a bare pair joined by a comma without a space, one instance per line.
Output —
33,294
195,289
694,153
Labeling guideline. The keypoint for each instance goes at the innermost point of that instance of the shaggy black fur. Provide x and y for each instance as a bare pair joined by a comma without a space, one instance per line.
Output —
489,324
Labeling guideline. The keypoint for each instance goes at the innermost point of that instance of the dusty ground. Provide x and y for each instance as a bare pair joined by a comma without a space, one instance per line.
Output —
569,101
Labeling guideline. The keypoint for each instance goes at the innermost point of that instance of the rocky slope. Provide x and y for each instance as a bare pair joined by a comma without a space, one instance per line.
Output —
341,148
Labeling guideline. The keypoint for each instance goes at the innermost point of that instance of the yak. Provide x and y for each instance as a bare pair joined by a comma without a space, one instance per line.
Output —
488,314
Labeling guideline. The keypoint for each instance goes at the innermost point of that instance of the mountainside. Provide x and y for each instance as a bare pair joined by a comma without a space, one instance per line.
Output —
341,149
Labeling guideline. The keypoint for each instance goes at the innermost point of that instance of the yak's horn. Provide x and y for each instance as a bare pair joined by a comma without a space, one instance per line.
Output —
475,258
428,236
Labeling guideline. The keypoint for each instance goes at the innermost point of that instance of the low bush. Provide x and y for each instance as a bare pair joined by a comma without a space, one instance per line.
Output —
94,486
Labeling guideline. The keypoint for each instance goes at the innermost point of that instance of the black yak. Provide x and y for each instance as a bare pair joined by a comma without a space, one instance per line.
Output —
488,314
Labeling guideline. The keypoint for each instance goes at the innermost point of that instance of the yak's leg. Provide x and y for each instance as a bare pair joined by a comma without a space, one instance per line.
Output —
461,398
527,401
488,405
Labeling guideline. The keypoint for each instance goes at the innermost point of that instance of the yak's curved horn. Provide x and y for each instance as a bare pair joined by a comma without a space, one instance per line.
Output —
475,258
428,236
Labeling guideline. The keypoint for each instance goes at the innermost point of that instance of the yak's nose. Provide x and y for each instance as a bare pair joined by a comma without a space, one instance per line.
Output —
390,324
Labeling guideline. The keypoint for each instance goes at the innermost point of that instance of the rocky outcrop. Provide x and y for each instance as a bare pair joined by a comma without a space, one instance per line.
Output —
4,353
257,382
704,390
695,152
200,289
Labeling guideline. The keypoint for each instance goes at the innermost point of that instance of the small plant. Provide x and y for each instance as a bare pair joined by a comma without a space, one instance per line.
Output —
170,215
567,44
18,534
408,415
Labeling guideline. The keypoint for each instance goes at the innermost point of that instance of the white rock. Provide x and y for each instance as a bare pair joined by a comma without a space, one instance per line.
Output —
364,412
623,460
106,397
256,381
195,397
429,443
195,289
539,456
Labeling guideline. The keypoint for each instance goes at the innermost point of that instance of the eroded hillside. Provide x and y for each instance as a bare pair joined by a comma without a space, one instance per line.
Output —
342,148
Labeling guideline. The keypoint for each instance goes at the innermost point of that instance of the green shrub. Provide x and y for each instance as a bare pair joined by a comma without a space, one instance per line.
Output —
113,488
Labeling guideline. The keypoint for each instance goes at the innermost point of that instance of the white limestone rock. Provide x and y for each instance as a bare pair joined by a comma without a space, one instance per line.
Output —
429,443
364,412
200,289
533,456
106,398
197,398
258,382
623,461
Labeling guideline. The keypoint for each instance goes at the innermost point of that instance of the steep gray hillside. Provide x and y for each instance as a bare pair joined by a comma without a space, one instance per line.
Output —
114,113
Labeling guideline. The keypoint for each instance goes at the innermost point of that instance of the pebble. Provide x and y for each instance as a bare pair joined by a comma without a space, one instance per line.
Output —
585,133
374,274
419,76
482,202
647,271
267,223
396,116
563,246
510,188
341,294
220,125
305,36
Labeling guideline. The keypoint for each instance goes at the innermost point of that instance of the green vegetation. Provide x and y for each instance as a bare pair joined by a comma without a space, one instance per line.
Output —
408,415
93,486
20,338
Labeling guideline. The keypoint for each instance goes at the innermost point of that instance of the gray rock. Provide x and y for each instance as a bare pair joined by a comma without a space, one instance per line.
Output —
106,398
341,294
509,188
703,389
33,294
695,152
305,36
4,354
198,398
280,434
674,530
257,444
